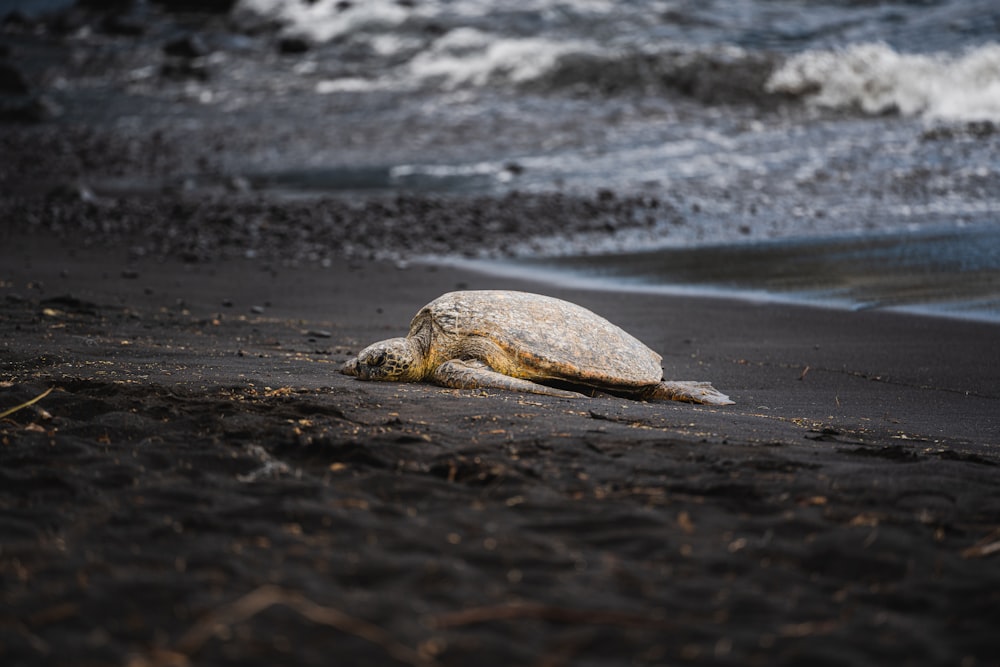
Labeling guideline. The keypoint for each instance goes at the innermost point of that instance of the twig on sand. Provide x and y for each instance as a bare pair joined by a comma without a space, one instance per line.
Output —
14,409
261,599
987,546
544,612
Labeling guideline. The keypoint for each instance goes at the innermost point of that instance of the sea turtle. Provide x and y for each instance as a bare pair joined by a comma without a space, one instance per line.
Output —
523,342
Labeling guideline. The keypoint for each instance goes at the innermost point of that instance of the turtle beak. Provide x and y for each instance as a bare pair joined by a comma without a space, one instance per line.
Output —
350,368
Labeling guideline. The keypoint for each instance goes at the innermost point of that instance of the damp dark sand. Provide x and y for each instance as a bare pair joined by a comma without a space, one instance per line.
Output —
202,485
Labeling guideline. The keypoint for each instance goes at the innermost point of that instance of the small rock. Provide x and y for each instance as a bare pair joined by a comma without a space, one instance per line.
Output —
514,168
123,26
256,310
238,184
199,6
71,21
190,46
38,110
73,192
319,333
15,18
981,129
293,45
227,303
13,81
185,68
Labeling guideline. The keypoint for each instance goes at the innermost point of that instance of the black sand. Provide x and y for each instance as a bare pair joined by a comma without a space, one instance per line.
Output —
202,486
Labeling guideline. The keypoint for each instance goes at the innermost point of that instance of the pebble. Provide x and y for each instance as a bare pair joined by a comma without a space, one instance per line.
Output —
293,45
191,46
12,80
124,26
36,110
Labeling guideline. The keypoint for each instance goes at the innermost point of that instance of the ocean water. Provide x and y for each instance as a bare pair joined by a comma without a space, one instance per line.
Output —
944,271
840,151
836,136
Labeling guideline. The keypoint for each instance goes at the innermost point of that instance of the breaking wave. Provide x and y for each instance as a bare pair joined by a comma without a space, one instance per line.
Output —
322,21
877,79
598,47
470,56
594,47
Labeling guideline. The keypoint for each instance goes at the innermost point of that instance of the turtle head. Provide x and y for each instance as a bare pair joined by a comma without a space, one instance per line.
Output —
392,360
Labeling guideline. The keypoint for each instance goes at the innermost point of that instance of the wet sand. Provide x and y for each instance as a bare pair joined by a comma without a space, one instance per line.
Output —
203,487
950,272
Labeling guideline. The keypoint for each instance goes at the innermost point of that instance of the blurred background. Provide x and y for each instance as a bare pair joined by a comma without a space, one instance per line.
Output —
841,152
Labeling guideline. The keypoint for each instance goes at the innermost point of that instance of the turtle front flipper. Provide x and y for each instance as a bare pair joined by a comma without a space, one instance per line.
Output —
692,392
474,374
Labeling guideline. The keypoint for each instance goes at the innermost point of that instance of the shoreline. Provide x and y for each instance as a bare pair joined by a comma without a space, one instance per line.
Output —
573,280
947,271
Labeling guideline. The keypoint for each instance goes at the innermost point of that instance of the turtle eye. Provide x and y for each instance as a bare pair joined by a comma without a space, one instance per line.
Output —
377,359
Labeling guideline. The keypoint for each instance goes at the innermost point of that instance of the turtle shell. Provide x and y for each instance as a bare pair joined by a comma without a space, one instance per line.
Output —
543,338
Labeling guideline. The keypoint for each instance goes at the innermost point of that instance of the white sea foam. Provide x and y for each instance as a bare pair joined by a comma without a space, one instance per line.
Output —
347,85
876,79
323,21
470,56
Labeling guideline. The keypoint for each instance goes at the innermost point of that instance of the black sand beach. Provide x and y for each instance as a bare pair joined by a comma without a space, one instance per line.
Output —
202,486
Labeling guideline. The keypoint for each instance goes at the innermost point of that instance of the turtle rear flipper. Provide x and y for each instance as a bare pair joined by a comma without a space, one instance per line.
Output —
691,392
474,374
